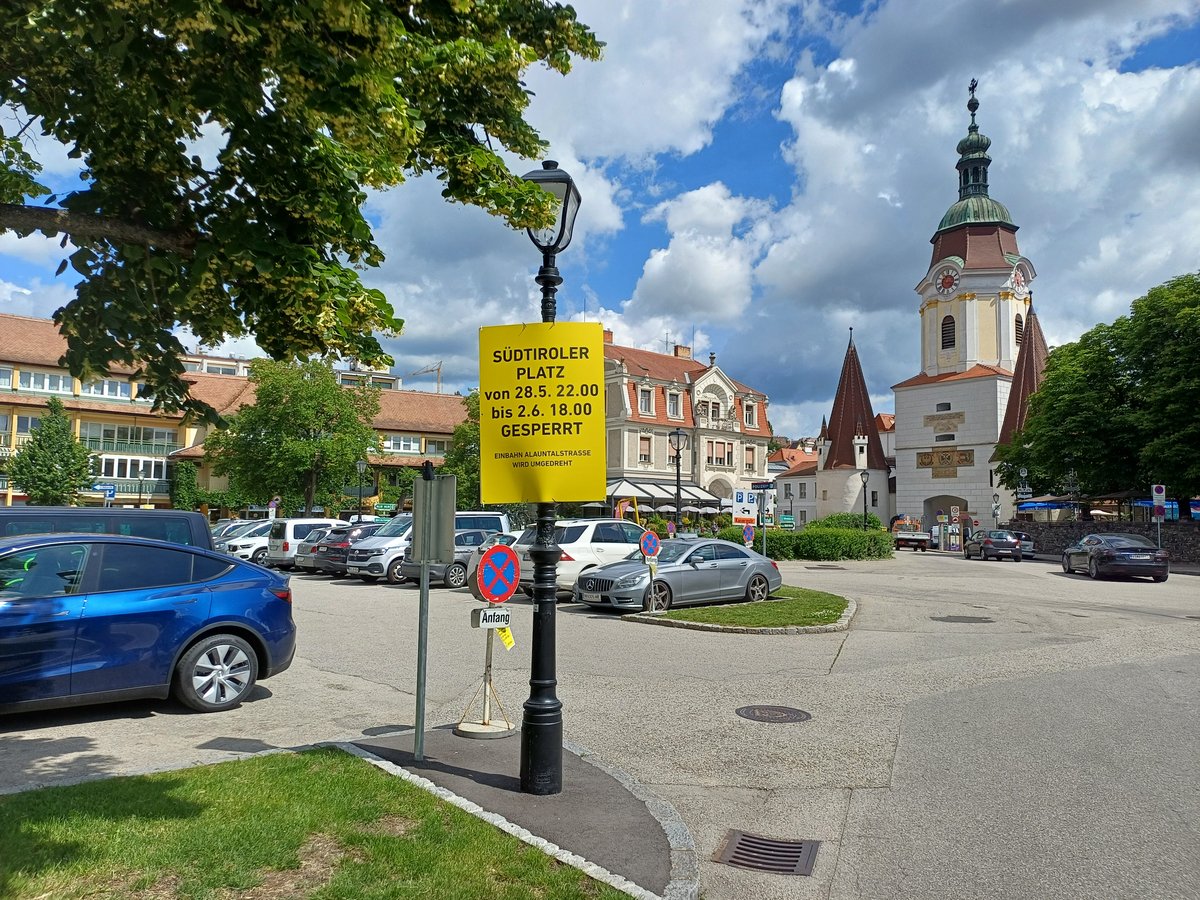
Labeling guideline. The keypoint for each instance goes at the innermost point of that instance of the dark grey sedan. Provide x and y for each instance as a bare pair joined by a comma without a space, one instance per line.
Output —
1117,554
688,571
993,545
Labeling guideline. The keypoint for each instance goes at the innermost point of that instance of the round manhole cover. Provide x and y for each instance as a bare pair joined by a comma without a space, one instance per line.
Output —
775,714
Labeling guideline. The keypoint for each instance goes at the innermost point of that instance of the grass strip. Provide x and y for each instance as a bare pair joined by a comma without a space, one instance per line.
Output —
316,824
790,607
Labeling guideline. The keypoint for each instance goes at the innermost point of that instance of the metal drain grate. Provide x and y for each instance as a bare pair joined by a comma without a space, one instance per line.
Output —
969,620
764,854
773,714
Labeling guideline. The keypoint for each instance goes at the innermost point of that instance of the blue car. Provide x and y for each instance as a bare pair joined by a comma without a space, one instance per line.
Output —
95,618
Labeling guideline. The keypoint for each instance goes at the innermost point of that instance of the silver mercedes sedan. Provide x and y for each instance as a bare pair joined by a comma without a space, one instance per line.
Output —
687,571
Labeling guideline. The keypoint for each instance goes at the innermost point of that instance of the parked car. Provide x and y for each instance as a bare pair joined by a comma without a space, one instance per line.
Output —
175,525
286,535
382,554
507,538
95,618
248,543
1027,548
453,575
305,561
992,544
331,554
688,571
1101,555
585,544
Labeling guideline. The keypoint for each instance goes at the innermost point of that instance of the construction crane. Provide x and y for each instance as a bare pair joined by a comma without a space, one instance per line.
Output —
435,367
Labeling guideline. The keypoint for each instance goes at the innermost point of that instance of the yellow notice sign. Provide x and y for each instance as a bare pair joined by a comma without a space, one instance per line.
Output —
506,638
541,412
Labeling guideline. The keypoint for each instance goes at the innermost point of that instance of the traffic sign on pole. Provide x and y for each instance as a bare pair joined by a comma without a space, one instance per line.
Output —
650,544
748,535
498,573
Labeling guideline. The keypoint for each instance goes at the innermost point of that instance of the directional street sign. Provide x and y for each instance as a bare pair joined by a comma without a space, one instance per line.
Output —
498,574
763,485
650,543
108,490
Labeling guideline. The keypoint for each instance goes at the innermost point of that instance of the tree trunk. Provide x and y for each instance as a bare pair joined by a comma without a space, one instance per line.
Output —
25,219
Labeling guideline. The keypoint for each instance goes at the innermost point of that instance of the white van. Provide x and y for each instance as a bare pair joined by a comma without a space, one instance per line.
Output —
382,554
286,534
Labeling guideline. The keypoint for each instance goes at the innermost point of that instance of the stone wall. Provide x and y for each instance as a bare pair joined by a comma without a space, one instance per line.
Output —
1181,539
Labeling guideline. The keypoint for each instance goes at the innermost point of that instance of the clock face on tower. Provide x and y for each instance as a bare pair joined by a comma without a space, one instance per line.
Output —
1019,287
946,280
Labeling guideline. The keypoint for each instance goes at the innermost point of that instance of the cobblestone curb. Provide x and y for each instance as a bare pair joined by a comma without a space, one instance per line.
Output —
840,625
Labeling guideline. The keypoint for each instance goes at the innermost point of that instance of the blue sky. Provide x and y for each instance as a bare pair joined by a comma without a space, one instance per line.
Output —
760,175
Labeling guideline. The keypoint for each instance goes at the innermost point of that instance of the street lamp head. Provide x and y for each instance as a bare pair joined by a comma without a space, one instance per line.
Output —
550,177
995,498
361,465
865,476
678,439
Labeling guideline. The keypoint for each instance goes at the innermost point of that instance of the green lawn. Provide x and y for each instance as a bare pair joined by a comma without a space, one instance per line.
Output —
793,607
318,824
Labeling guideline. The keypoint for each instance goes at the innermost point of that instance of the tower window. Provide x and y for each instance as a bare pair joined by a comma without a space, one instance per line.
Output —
943,437
1020,330
943,407
948,333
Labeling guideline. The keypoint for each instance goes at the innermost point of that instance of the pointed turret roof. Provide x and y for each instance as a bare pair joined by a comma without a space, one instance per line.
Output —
1031,367
851,417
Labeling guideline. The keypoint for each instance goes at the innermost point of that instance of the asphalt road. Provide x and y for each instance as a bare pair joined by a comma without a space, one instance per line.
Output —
982,730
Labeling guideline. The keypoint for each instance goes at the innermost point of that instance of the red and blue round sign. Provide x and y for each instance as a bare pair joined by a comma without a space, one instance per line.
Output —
498,574
650,543
748,534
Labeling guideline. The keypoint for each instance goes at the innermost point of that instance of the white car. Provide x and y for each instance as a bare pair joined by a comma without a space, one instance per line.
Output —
286,535
584,544
249,543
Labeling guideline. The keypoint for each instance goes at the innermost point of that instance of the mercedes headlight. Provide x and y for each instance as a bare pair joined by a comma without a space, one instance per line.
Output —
631,580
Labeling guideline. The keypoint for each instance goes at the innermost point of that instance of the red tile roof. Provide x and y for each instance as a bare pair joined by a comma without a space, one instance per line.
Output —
808,467
35,342
979,246
793,456
1031,367
976,371
885,422
852,416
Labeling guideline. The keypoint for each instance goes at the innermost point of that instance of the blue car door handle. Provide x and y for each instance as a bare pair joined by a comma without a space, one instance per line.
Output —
186,600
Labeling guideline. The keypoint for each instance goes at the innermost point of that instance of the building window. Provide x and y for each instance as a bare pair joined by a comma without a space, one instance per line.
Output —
824,495
5,378
436,448
645,401
943,437
125,467
787,491
191,367
720,453
751,415
1019,327
803,516
943,407
402,443
643,449
40,381
874,498
673,406
27,424
802,491
214,369
714,410
109,387
948,333
749,459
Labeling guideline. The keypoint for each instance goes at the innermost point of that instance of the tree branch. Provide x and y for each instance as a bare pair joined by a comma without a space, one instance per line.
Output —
25,219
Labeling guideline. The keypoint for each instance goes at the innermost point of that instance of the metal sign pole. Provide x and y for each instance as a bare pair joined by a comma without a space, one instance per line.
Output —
422,650
487,682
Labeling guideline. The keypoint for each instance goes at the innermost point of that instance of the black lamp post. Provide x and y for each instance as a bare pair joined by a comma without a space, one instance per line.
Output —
542,723
678,440
1071,483
141,483
995,510
361,465
865,476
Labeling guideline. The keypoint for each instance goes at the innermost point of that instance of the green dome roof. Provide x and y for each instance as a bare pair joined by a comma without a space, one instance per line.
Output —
975,210
974,144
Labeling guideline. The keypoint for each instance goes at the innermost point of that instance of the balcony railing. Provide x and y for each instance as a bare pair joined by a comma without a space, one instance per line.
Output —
128,487
133,448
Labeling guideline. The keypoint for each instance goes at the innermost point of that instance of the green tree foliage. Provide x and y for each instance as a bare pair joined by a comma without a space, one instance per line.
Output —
185,486
227,149
300,438
53,467
1119,406
462,459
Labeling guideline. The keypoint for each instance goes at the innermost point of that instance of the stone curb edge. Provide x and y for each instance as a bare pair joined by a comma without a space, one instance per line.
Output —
656,619
682,849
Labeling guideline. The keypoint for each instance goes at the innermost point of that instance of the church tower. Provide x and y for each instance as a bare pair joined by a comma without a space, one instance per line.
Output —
974,307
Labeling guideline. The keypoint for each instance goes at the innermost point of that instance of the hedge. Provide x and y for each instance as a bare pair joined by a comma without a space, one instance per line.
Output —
817,543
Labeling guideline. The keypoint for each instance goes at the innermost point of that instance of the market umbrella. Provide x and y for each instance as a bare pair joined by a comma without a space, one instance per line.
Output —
666,507
695,509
